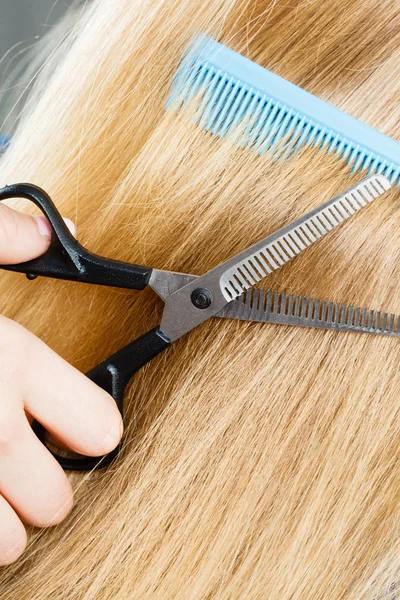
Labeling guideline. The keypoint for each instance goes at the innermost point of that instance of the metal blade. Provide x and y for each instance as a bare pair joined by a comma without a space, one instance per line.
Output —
252,265
230,279
165,283
278,307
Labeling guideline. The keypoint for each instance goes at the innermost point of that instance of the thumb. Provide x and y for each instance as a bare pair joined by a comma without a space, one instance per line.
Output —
23,237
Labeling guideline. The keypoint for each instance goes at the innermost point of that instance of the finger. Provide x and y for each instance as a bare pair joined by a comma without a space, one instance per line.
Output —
31,480
50,437
24,237
12,534
70,406
55,441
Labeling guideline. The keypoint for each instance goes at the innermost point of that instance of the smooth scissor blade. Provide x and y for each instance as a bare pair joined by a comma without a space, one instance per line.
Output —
230,279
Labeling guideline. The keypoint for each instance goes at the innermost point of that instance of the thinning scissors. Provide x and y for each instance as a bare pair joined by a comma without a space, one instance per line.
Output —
190,300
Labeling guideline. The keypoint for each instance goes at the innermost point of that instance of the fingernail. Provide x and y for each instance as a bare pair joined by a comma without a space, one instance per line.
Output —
43,226
114,436
71,225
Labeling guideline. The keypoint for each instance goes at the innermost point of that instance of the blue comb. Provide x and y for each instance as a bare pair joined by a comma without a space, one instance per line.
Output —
233,91
4,142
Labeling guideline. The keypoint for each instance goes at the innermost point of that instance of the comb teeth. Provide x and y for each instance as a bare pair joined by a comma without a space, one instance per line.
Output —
303,311
303,234
263,111
4,143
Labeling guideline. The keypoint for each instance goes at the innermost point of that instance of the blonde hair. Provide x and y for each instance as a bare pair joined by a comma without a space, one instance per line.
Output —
259,461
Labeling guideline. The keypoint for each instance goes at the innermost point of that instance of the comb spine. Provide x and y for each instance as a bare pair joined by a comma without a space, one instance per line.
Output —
293,114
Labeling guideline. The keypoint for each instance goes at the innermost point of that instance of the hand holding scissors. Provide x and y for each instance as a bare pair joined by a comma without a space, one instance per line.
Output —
225,291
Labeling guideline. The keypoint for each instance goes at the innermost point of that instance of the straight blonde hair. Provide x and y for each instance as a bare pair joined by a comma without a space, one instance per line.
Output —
260,462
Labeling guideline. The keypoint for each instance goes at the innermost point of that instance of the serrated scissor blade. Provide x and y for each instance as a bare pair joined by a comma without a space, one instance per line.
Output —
303,311
257,262
233,277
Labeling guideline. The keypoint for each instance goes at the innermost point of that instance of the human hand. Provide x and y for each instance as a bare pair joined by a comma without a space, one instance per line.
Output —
36,383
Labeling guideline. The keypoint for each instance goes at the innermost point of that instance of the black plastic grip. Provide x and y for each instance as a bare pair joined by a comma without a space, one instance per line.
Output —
66,258
113,375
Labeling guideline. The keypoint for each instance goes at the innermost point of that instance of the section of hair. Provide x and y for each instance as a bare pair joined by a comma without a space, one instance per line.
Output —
259,461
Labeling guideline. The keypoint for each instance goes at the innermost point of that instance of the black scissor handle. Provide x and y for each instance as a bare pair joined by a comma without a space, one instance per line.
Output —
66,258
113,375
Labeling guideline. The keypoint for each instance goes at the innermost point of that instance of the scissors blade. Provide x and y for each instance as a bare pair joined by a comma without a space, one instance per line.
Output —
279,308
165,283
206,296
269,306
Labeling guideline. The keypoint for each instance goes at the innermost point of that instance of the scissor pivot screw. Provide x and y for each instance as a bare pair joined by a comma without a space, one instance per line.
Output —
201,298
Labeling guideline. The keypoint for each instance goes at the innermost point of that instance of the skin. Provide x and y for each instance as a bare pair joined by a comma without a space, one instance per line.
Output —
33,487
